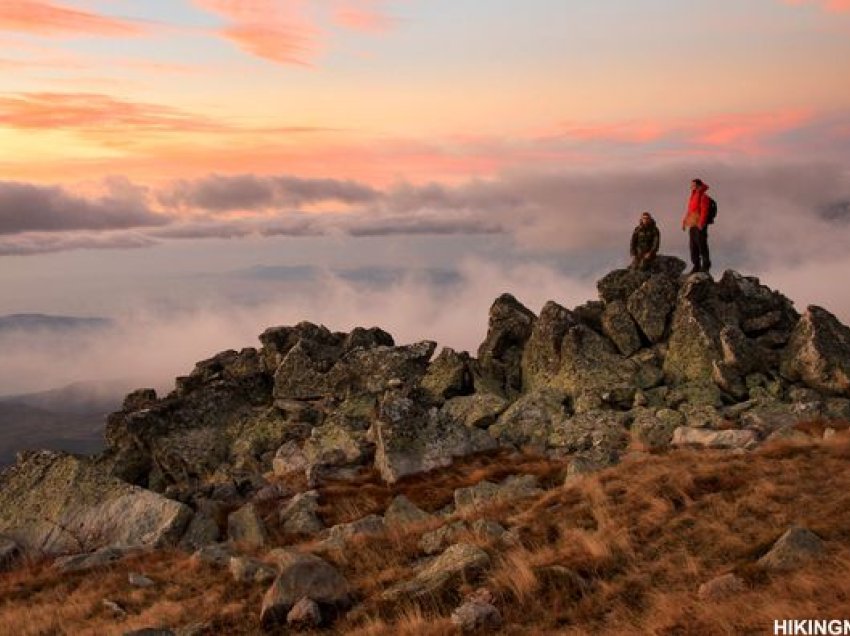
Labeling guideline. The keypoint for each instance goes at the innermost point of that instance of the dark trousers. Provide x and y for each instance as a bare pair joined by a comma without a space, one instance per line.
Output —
699,248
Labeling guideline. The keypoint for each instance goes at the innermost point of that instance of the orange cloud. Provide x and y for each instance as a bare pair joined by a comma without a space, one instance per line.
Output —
93,111
271,30
47,18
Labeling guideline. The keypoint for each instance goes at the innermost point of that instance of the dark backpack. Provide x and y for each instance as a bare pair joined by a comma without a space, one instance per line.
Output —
712,210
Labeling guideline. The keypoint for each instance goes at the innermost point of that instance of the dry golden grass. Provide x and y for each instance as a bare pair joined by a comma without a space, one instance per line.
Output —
623,551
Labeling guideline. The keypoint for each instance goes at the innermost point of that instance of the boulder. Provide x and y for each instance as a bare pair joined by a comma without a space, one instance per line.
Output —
300,514
650,305
438,540
818,353
487,529
140,580
541,357
591,366
478,410
102,558
500,355
246,527
730,439
248,570
477,614
619,284
410,440
485,493
618,326
311,371
721,588
448,376
304,575
694,343
402,511
601,433
341,534
460,562
202,530
289,459
58,503
529,420
216,554
654,429
793,549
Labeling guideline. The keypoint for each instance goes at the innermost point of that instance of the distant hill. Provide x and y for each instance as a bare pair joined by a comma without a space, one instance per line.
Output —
70,418
35,322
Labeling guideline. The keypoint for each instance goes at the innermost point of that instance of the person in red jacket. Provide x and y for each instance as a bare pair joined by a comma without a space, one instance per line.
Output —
695,222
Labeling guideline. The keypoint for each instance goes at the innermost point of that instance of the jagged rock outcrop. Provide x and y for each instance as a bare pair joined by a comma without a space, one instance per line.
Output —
56,503
660,360
818,353
500,355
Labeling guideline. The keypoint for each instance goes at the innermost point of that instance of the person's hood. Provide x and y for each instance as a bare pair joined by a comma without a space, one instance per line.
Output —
702,189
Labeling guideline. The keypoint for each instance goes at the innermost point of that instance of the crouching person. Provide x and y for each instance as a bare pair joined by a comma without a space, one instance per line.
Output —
646,239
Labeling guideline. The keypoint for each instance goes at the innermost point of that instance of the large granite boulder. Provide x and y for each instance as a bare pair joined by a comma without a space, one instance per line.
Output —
57,503
818,353
411,440
449,375
500,355
541,356
618,325
651,305
529,420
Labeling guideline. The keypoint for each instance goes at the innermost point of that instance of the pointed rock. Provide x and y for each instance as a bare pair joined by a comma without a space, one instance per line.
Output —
818,353
500,355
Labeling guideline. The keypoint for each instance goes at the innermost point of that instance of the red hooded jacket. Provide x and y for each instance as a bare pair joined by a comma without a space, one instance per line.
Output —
698,207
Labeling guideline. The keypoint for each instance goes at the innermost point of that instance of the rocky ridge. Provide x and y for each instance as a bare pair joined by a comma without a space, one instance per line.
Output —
660,360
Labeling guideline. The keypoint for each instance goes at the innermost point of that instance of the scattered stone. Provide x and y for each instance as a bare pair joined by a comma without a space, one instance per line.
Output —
599,432
485,492
438,540
402,511
793,549
202,530
654,430
305,614
730,439
139,580
217,555
448,376
343,533
289,459
303,575
477,613
721,588
459,562
488,529
102,558
247,570
579,466
246,527
300,515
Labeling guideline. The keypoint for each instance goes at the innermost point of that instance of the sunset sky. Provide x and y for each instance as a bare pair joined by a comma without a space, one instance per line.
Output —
177,152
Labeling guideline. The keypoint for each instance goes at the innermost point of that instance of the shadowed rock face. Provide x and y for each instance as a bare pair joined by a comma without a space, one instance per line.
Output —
818,353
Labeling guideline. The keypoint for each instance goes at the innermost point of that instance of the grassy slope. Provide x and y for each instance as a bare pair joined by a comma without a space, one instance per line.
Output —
642,535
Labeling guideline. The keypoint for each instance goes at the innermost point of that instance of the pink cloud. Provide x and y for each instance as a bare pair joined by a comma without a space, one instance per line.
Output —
290,31
363,15
47,18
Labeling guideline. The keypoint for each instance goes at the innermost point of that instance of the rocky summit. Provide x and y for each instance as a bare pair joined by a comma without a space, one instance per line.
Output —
661,360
